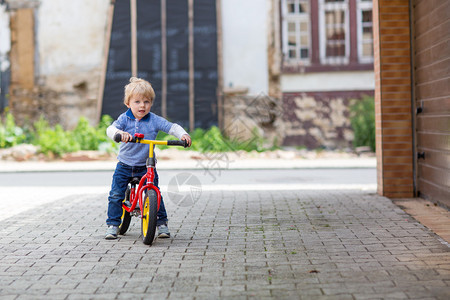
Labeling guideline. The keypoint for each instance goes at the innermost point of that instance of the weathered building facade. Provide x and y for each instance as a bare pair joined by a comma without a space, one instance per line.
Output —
306,58
54,58
319,57
327,61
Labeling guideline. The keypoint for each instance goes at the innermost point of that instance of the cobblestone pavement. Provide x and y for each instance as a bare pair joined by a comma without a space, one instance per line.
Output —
344,244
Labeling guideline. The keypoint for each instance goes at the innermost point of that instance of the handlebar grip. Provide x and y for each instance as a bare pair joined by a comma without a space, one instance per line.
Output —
177,143
117,137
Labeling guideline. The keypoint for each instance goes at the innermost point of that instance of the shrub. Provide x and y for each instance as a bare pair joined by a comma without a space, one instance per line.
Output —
85,135
56,141
212,140
10,134
362,119
105,143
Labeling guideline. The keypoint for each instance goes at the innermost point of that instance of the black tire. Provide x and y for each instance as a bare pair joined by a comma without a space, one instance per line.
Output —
126,217
148,221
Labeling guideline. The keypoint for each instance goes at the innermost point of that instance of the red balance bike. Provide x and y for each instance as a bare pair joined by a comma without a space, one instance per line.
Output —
144,200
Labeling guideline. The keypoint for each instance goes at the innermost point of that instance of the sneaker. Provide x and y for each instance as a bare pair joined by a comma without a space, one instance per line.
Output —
111,232
163,231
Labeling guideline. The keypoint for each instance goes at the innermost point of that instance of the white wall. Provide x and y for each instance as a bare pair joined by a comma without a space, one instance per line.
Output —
70,39
71,36
328,81
5,38
244,28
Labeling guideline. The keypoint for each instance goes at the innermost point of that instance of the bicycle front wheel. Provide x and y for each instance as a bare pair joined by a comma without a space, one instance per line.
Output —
125,220
148,221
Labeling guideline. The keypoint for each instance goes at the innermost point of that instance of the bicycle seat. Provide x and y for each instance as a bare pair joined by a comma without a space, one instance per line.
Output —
135,180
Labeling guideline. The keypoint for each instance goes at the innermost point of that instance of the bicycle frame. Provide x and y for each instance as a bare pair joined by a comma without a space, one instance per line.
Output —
147,181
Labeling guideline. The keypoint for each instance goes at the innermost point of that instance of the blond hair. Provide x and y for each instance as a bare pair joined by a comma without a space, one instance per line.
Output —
138,86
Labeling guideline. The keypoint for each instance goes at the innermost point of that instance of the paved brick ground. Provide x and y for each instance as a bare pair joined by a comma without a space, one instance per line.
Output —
239,245
434,217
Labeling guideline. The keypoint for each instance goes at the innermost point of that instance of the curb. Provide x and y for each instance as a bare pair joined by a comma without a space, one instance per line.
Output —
192,164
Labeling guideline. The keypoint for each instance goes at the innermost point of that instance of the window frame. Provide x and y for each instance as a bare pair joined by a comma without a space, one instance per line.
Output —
296,18
363,5
323,7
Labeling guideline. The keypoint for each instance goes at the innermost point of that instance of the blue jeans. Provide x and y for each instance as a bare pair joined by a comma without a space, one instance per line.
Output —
122,176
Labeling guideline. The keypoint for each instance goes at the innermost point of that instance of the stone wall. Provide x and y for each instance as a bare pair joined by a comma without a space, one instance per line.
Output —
319,119
247,117
311,120
56,107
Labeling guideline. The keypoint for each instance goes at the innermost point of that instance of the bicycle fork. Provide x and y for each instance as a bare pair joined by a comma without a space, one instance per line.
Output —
136,210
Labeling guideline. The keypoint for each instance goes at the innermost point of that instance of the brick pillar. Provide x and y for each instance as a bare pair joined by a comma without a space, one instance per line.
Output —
22,48
394,129
22,65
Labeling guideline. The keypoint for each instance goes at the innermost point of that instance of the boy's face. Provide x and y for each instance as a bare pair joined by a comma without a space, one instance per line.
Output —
140,106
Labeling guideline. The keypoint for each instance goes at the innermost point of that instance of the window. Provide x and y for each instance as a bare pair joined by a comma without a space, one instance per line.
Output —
296,30
365,34
334,32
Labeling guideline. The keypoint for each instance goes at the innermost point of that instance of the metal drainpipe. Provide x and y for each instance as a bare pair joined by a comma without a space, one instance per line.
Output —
413,111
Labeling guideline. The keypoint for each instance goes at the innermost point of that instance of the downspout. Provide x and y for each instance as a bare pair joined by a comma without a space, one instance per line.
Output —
219,93
413,110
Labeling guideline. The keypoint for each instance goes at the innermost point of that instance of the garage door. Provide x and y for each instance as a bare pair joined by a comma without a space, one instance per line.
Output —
432,98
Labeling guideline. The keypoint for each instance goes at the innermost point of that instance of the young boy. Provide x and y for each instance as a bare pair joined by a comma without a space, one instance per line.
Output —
139,96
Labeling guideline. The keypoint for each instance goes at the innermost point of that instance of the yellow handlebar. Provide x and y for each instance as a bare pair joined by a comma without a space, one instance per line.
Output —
151,143
140,140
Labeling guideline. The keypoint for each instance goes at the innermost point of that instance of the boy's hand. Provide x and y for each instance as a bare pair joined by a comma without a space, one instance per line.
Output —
126,137
187,138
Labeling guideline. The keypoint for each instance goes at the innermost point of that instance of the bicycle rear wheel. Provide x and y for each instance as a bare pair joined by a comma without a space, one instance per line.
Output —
125,220
148,221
